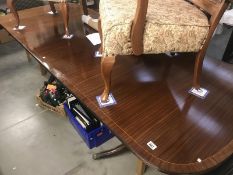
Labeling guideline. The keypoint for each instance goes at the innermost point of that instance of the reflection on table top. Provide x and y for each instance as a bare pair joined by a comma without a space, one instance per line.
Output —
153,103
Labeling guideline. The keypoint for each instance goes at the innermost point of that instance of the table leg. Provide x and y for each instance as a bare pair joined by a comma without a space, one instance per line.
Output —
64,6
11,6
112,152
141,166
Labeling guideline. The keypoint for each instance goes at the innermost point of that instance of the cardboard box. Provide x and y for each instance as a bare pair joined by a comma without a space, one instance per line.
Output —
5,36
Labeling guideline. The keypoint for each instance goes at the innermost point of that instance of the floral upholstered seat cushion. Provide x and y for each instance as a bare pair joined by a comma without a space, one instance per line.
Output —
171,25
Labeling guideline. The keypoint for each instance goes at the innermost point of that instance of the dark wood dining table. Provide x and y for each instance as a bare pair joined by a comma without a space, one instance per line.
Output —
192,135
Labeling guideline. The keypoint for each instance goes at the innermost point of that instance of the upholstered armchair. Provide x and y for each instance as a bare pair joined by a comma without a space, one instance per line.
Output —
63,6
136,27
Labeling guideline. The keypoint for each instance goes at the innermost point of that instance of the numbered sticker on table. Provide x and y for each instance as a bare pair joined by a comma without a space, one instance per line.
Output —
152,145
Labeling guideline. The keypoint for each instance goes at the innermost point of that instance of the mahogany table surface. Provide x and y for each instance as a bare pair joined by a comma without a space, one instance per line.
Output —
153,104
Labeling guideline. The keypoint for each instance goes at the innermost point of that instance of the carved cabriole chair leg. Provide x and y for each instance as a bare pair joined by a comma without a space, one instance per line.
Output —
65,14
106,70
52,7
141,166
11,6
198,69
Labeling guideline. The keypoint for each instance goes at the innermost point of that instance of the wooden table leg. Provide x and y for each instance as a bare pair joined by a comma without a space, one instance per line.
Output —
64,6
141,166
11,6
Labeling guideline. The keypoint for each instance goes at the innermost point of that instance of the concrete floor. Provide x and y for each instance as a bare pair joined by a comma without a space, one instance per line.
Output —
34,141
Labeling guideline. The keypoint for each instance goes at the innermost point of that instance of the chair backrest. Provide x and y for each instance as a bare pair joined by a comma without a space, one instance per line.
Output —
207,5
212,7
215,8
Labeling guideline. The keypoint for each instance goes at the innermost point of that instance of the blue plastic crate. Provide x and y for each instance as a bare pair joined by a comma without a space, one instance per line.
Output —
93,138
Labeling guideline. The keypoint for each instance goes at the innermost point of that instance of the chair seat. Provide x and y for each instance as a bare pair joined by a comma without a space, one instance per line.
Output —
171,26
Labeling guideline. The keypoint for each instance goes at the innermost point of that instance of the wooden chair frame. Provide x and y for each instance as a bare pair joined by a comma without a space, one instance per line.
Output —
63,6
214,9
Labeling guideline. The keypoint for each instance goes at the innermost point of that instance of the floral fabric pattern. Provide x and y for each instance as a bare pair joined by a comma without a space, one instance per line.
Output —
171,25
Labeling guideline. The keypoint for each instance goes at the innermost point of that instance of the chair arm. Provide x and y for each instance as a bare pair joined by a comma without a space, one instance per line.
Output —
139,26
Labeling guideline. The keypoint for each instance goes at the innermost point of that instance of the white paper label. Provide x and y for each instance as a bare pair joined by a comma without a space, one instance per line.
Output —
151,145
201,92
94,38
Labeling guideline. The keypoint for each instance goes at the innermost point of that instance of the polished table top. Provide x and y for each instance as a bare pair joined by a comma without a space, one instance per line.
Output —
153,103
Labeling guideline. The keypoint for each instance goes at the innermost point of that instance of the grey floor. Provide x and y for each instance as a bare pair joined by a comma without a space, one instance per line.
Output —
34,141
